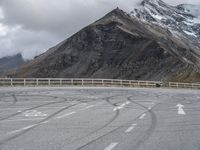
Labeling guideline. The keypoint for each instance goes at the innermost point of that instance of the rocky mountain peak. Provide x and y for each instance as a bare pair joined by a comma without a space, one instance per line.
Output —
181,21
153,42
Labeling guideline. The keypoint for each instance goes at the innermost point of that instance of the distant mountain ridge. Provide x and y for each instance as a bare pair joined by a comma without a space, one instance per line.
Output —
150,43
10,63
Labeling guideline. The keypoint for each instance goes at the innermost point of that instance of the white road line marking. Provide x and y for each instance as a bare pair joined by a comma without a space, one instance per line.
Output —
13,120
65,115
116,108
44,122
28,127
82,104
22,129
13,132
90,106
130,128
180,109
111,146
121,106
142,116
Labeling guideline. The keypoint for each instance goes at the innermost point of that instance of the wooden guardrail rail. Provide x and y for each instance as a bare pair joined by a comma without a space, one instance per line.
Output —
65,82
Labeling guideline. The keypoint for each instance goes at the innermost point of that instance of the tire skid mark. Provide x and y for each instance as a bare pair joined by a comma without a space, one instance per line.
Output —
36,125
107,99
102,127
42,105
150,130
50,103
48,118
15,99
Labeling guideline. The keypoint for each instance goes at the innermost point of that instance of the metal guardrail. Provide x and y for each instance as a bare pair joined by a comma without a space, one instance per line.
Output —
184,85
31,82
66,82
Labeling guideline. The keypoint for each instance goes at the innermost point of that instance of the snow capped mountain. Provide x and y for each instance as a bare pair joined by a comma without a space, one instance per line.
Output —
181,20
155,41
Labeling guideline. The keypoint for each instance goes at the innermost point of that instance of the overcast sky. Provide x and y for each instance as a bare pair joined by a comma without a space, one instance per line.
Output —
33,26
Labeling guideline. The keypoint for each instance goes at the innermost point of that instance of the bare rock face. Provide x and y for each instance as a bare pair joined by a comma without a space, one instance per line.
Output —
119,45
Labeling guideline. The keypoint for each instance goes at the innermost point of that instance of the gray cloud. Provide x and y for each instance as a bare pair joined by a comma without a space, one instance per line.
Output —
32,26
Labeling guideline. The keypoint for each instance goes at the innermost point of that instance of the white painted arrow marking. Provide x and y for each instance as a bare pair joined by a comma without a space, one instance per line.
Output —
180,109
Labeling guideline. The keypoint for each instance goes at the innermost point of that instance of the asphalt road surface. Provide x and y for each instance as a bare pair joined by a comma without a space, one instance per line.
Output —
99,119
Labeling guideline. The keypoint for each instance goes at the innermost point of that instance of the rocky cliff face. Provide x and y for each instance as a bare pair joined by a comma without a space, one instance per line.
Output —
138,45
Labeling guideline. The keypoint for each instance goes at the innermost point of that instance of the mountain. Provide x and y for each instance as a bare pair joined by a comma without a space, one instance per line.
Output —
10,63
182,20
155,41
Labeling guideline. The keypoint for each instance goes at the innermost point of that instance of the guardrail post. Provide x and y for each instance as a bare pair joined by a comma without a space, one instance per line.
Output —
36,82
121,82
82,82
11,82
92,82
24,82
60,82
72,82
49,82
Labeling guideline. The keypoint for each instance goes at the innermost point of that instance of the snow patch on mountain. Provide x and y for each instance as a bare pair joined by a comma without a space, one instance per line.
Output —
190,33
181,20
